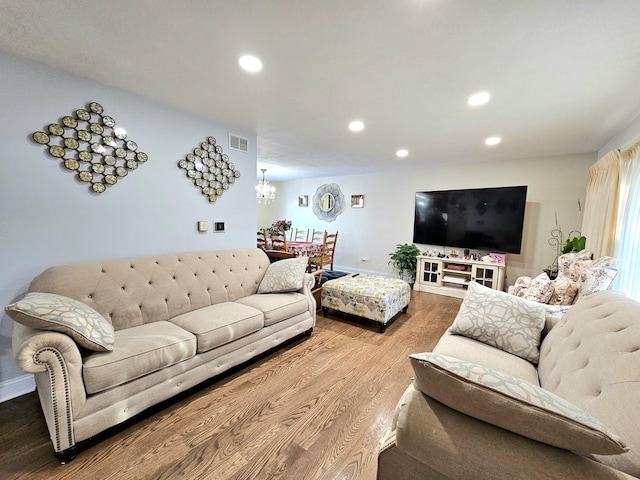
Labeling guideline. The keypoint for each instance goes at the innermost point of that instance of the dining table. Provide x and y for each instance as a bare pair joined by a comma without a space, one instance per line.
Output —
304,249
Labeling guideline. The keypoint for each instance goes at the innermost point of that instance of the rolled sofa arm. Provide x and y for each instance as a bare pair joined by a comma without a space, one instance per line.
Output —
307,289
55,360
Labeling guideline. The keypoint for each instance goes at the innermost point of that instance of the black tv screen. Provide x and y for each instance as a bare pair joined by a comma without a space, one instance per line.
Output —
489,219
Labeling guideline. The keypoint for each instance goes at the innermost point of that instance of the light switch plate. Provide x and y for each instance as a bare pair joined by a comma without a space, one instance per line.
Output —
218,226
203,226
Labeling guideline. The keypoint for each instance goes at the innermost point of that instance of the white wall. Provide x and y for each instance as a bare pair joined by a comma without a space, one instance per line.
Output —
555,185
50,218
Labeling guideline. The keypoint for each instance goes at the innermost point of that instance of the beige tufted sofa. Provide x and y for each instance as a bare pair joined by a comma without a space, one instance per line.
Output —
179,319
590,358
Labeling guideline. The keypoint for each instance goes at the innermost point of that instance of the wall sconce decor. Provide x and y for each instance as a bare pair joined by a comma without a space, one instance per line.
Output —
90,144
357,201
210,169
303,200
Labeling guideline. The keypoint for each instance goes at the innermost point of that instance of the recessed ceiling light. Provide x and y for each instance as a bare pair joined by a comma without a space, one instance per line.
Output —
402,153
356,126
479,98
492,141
250,63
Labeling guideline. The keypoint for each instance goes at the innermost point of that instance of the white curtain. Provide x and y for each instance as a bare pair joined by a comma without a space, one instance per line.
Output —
627,244
601,204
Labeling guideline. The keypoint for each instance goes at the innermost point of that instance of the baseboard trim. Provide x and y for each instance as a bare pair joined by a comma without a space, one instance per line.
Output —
16,387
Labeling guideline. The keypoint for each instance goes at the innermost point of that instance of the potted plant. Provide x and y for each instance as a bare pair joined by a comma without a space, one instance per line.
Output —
404,259
574,244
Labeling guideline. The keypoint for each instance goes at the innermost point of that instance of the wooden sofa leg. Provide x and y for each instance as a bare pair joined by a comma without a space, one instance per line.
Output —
308,332
65,456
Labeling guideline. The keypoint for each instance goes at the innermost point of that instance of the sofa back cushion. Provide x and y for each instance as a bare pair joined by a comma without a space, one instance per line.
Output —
591,358
134,292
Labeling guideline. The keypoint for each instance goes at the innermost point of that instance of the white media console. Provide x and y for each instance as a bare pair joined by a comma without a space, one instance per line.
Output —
450,276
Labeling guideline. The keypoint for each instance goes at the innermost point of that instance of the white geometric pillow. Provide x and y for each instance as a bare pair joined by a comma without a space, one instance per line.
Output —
513,404
48,311
284,276
501,320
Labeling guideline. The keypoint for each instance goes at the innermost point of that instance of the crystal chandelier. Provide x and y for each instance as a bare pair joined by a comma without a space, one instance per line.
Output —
264,191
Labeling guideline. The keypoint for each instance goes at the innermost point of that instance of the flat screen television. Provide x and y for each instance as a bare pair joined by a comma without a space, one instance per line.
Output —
489,219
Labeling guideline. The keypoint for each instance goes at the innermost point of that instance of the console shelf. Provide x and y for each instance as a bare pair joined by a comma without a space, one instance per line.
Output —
451,276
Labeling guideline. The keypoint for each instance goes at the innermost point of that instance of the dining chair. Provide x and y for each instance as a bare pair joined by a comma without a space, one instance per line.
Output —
317,236
301,235
262,239
327,253
279,241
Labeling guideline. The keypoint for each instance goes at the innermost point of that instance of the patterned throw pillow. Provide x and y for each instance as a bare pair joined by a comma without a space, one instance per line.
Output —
540,290
284,276
577,268
605,262
564,262
596,280
48,311
564,291
513,404
501,320
521,286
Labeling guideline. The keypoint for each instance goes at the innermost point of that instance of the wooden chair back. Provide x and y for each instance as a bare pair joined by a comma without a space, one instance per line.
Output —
279,241
301,235
262,239
328,252
317,236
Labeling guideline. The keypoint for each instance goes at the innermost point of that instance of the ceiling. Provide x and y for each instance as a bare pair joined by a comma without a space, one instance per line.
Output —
563,75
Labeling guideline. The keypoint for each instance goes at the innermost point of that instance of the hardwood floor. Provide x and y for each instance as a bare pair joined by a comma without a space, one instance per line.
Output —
315,409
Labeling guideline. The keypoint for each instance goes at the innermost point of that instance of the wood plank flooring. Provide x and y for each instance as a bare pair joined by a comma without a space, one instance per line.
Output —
314,409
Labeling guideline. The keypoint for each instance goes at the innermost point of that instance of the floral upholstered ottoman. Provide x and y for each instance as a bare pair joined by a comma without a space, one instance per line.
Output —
375,298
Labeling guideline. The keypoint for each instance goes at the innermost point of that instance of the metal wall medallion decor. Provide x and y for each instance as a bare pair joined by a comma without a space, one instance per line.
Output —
90,144
210,169
328,202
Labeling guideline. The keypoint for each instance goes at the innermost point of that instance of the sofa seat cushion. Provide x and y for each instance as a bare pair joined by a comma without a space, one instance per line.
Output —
277,306
218,324
471,350
137,351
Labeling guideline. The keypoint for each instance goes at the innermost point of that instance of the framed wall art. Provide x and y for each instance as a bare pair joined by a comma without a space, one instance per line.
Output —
89,144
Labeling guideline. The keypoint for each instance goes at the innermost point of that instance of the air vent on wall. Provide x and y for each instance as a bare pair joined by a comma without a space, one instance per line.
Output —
238,143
